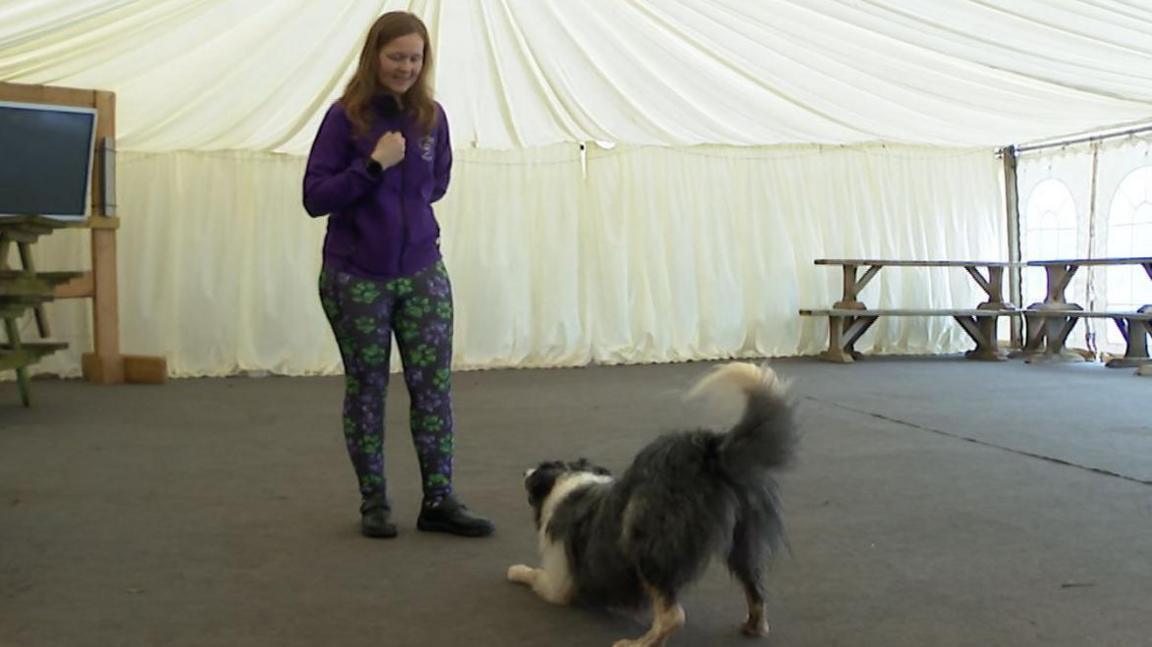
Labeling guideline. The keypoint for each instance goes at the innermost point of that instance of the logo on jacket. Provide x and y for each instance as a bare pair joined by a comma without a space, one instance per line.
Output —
427,148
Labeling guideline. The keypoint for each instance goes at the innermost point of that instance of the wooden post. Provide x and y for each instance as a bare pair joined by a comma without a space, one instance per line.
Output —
1012,210
104,365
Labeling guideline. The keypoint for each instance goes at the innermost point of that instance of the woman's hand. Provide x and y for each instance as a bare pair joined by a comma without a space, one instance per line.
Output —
389,149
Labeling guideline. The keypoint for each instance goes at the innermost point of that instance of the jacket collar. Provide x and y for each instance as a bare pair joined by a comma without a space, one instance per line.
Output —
386,104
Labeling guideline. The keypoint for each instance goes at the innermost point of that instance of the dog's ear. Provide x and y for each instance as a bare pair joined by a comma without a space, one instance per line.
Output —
539,481
584,465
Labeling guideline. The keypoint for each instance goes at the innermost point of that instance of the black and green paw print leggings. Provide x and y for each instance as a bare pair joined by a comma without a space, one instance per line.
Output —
364,314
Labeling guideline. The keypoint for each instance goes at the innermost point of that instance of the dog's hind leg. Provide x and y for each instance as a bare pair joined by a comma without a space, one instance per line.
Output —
667,619
756,624
746,561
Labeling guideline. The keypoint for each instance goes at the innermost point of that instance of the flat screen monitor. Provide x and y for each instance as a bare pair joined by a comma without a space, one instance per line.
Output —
46,156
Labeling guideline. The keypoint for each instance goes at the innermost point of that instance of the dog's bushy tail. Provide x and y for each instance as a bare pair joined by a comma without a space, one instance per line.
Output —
765,438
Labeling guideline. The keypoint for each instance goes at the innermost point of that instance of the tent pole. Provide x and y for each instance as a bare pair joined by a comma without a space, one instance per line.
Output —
1012,211
1025,148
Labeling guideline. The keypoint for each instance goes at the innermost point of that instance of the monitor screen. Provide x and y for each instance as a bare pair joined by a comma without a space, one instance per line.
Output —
46,159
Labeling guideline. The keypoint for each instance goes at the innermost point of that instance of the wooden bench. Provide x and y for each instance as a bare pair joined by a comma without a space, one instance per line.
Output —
849,318
1047,331
847,325
1049,322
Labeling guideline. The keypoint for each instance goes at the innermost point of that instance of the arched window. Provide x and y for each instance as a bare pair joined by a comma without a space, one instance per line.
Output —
1048,231
1129,234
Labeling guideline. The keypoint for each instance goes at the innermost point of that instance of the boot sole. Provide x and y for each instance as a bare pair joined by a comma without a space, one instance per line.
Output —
431,526
380,534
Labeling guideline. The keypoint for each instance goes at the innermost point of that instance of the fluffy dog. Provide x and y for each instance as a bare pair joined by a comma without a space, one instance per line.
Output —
687,497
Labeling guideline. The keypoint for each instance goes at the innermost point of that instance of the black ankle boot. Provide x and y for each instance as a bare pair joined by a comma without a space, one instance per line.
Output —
452,517
375,519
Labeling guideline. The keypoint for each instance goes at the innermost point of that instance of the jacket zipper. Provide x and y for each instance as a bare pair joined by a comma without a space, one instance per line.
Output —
403,220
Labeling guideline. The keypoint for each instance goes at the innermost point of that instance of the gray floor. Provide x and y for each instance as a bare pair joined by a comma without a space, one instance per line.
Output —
936,503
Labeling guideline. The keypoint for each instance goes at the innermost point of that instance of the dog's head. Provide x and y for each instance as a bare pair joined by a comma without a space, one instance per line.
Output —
540,480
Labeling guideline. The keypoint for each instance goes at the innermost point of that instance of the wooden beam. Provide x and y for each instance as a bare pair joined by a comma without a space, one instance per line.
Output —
108,365
144,369
105,103
80,287
47,94
103,222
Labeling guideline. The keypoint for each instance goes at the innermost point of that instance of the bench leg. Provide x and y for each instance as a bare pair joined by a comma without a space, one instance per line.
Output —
982,330
843,333
22,380
1045,338
853,286
1135,334
24,385
835,352
25,250
1057,331
1035,337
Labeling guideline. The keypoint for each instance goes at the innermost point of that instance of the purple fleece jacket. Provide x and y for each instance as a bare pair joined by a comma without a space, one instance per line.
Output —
381,224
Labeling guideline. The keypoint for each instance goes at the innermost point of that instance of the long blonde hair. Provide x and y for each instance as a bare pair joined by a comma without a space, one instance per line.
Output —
365,84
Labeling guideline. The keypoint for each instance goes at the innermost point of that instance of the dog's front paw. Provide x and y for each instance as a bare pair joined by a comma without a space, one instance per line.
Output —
520,573
756,628
630,643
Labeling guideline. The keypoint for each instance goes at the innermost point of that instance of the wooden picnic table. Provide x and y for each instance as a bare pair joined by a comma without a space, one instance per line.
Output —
849,318
1059,274
1050,322
992,283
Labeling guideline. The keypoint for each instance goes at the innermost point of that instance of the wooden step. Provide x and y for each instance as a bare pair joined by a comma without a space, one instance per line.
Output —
17,283
29,353
54,278
13,307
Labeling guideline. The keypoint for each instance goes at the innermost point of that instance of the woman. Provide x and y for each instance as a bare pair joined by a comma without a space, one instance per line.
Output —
382,156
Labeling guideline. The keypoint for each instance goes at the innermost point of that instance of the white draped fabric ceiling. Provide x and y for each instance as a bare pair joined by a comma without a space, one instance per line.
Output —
238,74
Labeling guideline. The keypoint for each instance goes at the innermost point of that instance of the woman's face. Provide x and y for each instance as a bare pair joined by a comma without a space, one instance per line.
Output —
401,60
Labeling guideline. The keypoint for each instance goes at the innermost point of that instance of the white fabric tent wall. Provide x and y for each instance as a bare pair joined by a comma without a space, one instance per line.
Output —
754,136
656,255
